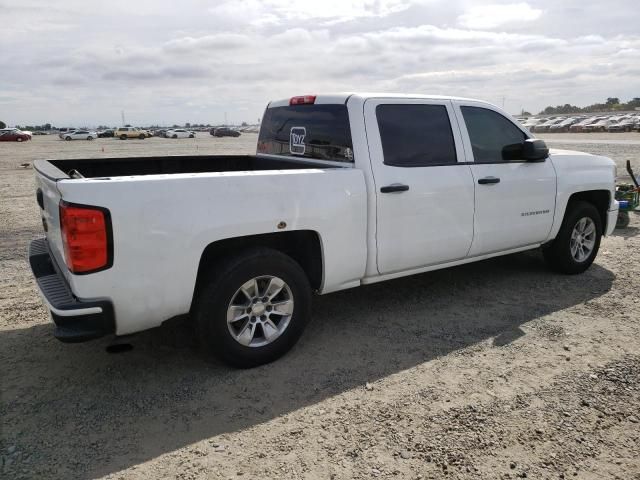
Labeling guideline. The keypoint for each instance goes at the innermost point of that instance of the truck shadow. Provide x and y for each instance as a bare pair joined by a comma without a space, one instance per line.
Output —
76,411
626,233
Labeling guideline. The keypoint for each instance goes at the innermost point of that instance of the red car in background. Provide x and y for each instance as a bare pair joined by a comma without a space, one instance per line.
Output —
13,135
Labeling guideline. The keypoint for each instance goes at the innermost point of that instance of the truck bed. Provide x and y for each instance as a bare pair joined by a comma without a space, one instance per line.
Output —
117,167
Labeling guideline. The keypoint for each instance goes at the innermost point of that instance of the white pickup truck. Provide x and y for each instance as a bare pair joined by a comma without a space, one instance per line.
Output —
344,190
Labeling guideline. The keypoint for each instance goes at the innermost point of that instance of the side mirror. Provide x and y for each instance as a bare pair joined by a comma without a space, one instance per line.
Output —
534,150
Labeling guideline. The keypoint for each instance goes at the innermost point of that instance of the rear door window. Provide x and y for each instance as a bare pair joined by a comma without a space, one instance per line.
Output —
415,135
311,131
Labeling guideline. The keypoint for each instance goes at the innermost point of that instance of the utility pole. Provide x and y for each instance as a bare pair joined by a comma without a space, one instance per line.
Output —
122,114
225,119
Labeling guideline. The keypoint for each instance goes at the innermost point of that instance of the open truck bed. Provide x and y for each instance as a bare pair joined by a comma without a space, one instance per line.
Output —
160,214
119,167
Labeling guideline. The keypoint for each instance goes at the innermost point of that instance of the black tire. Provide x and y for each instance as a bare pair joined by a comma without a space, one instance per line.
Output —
191,136
174,136
623,220
142,136
123,137
19,139
217,291
89,137
68,139
558,253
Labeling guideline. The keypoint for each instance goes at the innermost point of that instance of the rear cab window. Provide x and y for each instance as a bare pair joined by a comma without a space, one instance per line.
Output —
315,131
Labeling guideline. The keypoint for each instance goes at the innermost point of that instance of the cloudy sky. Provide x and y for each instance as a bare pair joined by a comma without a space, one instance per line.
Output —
81,63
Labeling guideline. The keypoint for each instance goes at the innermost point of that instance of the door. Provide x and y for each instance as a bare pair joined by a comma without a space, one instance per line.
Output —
424,190
515,199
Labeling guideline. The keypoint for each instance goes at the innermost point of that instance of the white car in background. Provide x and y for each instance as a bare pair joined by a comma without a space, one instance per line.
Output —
532,122
578,127
179,133
599,126
78,135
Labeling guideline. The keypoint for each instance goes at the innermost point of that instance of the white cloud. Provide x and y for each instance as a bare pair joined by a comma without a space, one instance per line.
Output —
222,40
487,17
312,9
192,62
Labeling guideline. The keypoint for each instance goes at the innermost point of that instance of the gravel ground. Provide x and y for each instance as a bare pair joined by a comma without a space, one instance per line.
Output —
499,369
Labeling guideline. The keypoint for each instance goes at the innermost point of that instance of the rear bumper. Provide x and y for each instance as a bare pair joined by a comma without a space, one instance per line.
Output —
612,218
76,320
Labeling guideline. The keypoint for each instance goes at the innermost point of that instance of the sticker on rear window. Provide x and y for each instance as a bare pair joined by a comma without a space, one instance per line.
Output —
296,140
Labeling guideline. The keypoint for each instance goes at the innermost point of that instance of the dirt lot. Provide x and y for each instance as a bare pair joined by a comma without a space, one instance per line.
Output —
498,369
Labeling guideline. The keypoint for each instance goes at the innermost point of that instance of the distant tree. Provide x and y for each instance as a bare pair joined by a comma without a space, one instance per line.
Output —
611,104
244,124
634,103
524,114
46,126
187,124
2,124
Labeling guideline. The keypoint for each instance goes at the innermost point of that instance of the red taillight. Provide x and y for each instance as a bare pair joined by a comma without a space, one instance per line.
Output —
86,236
303,100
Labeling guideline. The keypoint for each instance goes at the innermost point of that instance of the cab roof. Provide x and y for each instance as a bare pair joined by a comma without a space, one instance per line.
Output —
333,98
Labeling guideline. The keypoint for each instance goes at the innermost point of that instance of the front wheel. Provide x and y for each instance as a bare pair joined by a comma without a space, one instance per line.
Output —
578,241
175,136
19,139
123,137
191,136
68,139
253,308
142,136
89,137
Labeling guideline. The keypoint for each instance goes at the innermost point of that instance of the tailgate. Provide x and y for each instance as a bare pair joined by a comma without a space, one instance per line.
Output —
49,200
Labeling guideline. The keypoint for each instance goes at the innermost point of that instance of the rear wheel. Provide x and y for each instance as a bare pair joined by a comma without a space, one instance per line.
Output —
174,136
253,308
578,241
142,136
19,139
89,137
123,137
191,136
68,139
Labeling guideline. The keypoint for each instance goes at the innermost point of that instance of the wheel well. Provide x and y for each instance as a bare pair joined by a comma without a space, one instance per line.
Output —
598,198
301,245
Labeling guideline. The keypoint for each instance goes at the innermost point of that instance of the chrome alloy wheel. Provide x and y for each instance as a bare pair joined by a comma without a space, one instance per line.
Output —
583,239
260,311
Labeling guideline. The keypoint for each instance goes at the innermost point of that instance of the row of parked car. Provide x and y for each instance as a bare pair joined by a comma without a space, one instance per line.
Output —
125,133
584,123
